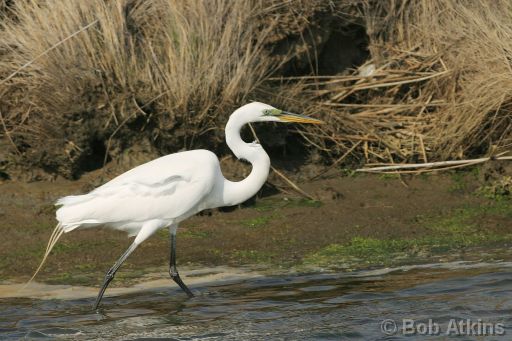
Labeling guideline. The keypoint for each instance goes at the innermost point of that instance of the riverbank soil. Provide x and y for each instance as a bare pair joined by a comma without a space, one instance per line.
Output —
357,221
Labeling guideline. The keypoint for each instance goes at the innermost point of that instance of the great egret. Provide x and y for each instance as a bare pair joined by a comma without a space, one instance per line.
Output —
163,192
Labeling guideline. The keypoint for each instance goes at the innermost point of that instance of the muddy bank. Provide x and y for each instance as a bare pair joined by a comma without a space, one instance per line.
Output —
359,221
147,282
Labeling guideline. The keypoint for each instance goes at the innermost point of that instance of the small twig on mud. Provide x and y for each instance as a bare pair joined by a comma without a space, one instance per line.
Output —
294,186
431,166
288,181
48,50
347,153
396,172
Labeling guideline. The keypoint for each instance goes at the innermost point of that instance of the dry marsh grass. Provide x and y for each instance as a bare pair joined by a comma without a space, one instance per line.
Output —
163,63
165,74
440,89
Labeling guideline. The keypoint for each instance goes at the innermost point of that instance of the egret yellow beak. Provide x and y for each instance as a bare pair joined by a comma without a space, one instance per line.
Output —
289,117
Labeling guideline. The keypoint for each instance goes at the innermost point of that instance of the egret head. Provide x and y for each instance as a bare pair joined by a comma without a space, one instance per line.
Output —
256,112
261,112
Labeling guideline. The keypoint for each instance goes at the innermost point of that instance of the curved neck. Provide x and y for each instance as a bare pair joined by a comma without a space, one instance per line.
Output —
237,192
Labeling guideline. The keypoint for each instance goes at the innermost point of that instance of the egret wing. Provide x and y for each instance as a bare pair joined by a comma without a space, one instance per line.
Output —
165,188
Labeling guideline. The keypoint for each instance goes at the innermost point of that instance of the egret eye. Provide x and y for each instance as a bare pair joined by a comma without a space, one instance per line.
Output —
271,112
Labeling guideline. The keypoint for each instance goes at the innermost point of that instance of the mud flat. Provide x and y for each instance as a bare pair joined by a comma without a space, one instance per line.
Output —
363,221
147,282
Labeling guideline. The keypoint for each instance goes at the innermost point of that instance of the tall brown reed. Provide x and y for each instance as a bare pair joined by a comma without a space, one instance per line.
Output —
168,72
440,89
156,64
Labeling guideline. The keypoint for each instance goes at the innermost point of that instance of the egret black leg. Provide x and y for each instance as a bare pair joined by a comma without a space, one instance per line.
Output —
109,276
173,270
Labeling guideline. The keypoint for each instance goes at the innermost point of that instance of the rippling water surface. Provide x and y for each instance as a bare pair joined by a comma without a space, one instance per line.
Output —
314,307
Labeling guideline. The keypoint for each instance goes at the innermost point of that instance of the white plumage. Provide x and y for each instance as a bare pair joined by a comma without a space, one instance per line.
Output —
170,188
164,192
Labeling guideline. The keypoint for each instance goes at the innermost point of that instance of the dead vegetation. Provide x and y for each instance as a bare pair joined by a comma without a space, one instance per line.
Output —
164,71
164,75
437,86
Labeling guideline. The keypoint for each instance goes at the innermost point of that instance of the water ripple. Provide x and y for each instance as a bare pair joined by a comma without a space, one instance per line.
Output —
316,306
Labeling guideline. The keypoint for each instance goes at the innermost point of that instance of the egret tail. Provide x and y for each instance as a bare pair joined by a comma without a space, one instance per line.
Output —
56,234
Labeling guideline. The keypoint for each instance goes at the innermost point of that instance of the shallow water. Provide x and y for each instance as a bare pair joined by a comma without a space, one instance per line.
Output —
314,307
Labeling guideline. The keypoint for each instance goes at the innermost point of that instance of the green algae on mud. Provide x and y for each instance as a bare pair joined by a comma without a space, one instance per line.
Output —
455,230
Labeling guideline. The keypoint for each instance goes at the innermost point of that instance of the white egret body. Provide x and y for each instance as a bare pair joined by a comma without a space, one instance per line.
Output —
163,192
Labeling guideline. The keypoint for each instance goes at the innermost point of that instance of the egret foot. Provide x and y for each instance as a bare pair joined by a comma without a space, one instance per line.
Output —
173,271
176,278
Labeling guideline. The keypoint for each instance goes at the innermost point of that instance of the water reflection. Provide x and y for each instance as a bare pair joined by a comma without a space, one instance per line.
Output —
322,307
